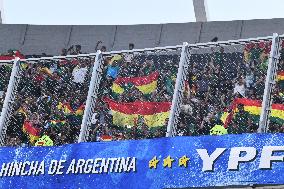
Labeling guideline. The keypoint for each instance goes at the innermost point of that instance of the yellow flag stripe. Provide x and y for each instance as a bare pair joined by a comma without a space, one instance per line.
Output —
155,120
117,89
277,113
149,88
253,110
122,119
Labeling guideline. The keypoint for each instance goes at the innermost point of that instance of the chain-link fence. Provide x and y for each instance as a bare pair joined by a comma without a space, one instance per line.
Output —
48,100
135,95
202,89
5,72
224,88
276,123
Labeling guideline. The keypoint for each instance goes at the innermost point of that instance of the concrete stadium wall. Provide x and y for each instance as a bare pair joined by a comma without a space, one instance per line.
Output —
88,36
45,39
11,36
37,39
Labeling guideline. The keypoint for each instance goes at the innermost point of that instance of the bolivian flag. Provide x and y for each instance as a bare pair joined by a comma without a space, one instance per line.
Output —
280,76
253,107
154,114
67,109
32,132
145,84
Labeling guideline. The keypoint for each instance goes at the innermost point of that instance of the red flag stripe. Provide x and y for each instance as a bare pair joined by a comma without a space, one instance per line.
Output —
30,129
138,81
138,107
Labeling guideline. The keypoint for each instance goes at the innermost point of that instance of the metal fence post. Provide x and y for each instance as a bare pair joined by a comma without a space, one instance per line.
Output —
9,98
269,82
179,87
92,96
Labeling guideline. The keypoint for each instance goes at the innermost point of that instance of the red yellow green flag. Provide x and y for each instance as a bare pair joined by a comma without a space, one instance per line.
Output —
280,76
67,109
154,114
32,132
253,107
145,84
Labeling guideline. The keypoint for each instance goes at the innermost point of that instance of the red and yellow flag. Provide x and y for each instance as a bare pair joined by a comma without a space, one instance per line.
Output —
280,76
32,132
154,114
145,84
67,109
253,107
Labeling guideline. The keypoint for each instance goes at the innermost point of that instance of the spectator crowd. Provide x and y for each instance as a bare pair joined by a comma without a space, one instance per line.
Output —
50,100
216,80
51,94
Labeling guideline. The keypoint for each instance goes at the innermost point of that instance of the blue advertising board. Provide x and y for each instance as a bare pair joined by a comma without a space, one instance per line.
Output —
155,163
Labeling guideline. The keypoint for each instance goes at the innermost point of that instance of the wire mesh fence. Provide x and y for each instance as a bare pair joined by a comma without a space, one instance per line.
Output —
135,95
49,100
224,88
132,94
276,123
5,72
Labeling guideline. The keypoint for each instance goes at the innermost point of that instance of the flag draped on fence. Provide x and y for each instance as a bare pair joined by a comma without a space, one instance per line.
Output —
154,114
253,107
145,84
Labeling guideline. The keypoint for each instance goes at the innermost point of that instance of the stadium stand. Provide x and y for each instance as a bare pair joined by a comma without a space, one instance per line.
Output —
135,96
221,83
50,100
216,81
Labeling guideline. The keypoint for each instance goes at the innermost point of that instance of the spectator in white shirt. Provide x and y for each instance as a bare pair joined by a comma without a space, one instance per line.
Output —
240,87
79,74
129,56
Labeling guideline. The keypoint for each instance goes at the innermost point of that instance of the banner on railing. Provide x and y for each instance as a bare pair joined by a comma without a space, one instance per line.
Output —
156,163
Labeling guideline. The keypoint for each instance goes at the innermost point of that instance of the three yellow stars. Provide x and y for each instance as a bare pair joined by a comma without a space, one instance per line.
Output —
168,162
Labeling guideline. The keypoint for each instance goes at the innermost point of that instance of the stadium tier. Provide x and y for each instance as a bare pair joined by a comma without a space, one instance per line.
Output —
224,88
54,94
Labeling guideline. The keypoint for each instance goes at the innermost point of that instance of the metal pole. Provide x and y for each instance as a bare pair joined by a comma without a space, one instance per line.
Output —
8,99
1,12
92,93
269,82
200,10
179,86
